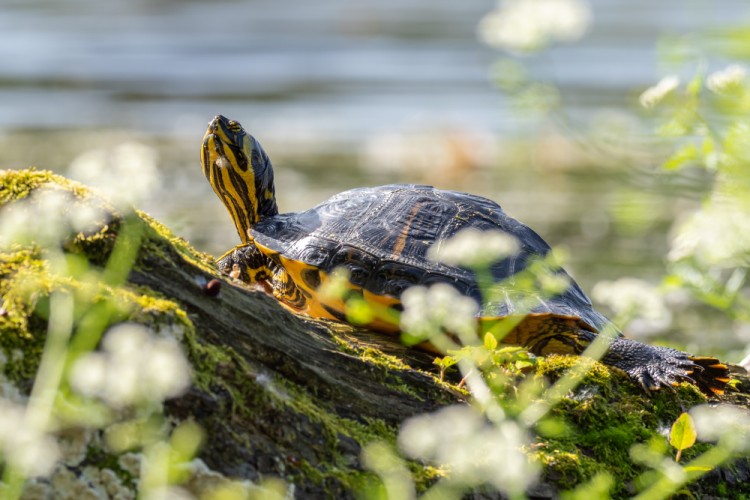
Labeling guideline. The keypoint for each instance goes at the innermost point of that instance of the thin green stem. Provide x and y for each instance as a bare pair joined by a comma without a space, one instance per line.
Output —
570,379
51,367
666,486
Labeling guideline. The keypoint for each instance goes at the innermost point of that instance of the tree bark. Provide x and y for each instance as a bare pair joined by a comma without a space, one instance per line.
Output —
282,395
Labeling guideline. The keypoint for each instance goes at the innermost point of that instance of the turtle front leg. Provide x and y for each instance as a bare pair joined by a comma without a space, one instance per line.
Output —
245,263
654,367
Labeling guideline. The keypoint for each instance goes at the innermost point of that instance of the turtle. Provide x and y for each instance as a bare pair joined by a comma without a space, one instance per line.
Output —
383,235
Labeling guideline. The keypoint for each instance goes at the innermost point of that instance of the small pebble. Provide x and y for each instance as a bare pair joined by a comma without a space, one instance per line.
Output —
212,288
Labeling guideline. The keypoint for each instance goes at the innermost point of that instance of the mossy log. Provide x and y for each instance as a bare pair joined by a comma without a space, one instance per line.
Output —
282,395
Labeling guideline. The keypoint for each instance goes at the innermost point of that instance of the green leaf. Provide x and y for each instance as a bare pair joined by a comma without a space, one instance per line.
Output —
520,365
682,435
445,362
681,157
490,342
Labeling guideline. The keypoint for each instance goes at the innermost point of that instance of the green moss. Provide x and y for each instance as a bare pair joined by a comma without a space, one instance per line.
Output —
18,184
256,394
602,418
383,365
159,234
22,331
100,458
605,416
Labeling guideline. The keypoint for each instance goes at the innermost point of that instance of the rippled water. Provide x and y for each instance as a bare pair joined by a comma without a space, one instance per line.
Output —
347,93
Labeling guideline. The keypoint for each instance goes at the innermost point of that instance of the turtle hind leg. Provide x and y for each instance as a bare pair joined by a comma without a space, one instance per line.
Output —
654,367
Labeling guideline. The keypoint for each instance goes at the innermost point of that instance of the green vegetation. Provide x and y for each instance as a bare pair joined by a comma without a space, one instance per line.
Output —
606,439
589,435
77,393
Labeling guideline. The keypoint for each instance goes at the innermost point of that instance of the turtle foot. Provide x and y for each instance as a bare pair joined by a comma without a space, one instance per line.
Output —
655,367
244,263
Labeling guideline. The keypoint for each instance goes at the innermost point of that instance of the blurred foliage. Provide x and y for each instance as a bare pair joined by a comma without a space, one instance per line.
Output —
488,443
706,121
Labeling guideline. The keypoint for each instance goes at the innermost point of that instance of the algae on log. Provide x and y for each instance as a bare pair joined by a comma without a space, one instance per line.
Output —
278,394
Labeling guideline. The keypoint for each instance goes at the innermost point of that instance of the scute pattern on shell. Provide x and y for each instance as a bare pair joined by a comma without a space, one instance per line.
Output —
382,236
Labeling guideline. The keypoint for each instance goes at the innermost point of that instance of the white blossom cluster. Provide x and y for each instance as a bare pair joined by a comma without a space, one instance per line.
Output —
47,216
473,248
24,447
635,300
126,174
725,423
475,451
730,78
527,25
716,235
428,311
133,366
657,93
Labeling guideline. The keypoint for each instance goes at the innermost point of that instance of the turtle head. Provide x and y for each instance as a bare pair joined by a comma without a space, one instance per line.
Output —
240,172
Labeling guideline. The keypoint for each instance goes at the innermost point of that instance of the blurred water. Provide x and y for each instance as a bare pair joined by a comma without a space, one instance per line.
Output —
334,68
344,94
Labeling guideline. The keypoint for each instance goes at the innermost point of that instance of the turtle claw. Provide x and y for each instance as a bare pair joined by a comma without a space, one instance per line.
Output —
652,378
657,367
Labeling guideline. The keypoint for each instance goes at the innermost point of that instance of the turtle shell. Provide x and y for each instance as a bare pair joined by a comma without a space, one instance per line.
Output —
382,235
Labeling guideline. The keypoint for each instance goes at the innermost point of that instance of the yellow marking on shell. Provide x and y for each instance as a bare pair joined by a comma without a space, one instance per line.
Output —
535,329
319,306
545,332
541,331
398,246
555,346
380,300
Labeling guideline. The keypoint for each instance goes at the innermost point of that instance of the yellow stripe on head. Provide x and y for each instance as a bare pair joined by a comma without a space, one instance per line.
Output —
240,173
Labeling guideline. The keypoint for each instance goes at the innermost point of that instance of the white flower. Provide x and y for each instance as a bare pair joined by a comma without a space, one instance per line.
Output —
428,311
33,452
133,366
654,95
127,173
167,369
730,78
89,375
716,235
637,300
131,463
474,451
48,215
726,423
526,25
473,248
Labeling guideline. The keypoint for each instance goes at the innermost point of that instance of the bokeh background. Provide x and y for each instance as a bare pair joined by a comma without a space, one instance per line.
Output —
345,94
